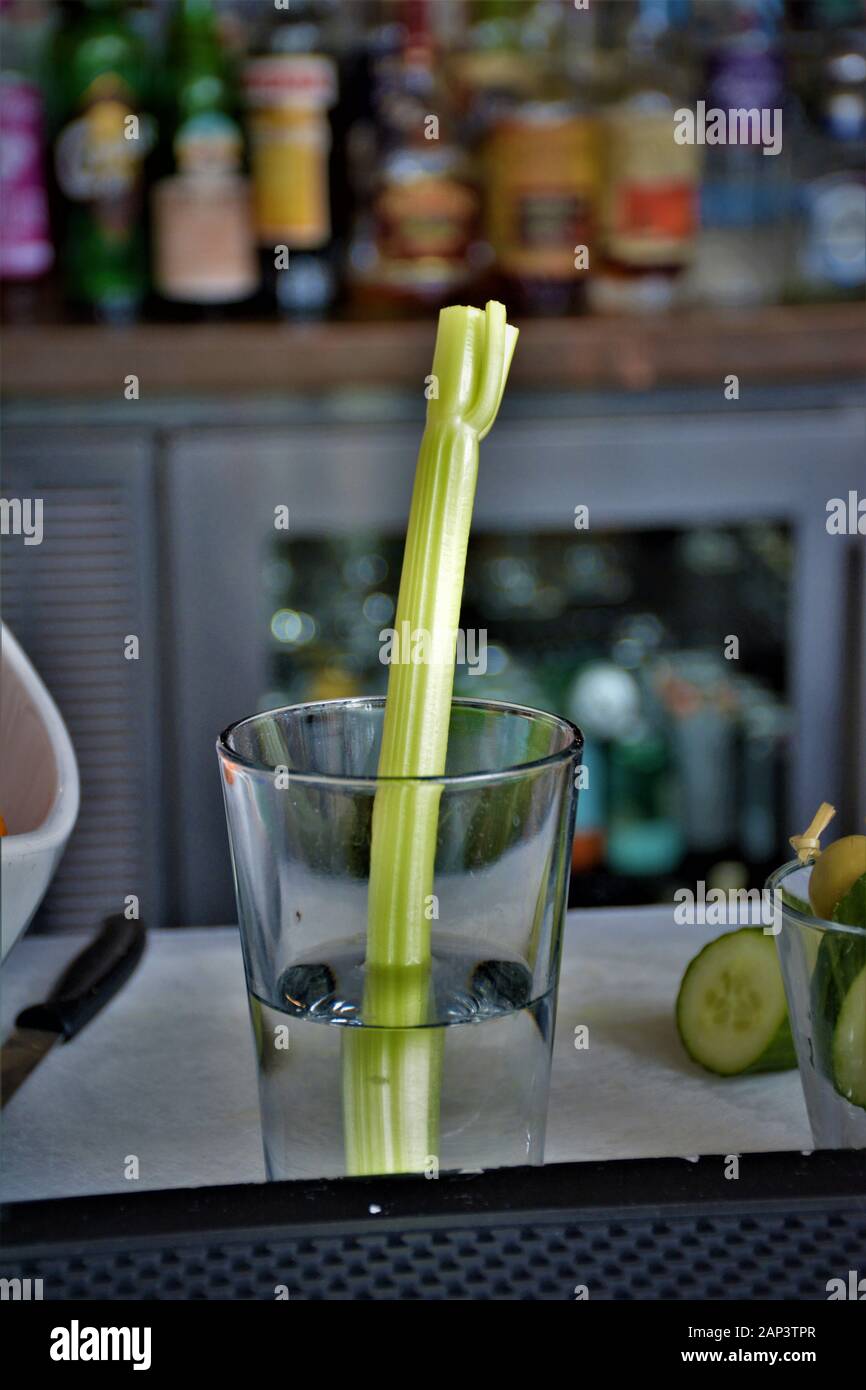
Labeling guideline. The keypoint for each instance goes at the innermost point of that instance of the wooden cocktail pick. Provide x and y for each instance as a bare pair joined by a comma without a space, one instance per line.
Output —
808,845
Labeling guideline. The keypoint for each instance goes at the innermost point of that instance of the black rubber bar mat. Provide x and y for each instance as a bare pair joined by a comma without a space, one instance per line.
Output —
643,1229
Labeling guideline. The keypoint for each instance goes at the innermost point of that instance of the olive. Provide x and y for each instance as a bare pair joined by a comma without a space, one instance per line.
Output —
835,872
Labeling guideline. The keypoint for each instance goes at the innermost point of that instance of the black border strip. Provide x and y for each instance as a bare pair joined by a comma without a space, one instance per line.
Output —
576,1192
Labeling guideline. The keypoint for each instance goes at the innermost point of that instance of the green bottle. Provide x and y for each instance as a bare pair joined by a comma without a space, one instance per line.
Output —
103,76
197,65
203,249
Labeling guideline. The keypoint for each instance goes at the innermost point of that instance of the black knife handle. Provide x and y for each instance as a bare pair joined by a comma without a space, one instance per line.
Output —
91,979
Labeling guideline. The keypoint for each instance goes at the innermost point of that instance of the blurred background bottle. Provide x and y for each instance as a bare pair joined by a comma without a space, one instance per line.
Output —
542,169
542,191
203,252
290,85
26,247
417,226
497,64
403,153
745,195
104,87
650,201
830,250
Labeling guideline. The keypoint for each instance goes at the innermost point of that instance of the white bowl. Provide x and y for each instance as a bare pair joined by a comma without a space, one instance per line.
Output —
38,789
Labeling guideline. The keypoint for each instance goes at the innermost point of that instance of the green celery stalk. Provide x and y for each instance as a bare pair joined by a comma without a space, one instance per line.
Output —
392,1066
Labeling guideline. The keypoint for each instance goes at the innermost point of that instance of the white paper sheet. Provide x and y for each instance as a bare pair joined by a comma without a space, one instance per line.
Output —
166,1075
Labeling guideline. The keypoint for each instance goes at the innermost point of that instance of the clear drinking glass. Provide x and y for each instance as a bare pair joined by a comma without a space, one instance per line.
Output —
299,786
824,967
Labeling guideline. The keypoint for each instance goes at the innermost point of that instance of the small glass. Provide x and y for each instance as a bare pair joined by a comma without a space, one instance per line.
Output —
824,968
299,786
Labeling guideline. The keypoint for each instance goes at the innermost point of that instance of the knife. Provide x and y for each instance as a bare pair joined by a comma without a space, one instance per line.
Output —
85,987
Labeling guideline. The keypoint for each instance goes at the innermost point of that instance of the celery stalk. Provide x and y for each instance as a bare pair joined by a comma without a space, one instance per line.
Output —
392,1066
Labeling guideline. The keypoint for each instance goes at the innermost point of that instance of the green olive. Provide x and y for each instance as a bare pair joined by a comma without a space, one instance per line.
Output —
835,872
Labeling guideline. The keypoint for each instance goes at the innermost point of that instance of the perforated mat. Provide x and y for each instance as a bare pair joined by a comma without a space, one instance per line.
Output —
647,1230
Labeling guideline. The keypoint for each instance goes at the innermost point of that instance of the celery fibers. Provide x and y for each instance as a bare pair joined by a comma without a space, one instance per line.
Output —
392,1066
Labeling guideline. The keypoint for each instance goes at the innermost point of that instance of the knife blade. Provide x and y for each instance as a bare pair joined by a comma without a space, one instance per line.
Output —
91,979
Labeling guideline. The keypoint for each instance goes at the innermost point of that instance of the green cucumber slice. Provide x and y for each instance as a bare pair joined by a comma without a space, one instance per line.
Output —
839,1014
732,1016
851,910
849,1044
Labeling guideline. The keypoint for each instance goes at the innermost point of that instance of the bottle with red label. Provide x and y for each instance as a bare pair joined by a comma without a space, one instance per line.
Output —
26,249
649,204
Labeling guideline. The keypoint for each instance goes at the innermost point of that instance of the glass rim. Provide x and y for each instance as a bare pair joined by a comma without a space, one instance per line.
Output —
805,919
573,746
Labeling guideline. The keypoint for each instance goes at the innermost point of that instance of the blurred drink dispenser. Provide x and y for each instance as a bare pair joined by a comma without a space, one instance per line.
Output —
644,837
701,705
765,735
590,831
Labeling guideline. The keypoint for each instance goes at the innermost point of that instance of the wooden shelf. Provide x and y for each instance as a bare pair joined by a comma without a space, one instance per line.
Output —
778,344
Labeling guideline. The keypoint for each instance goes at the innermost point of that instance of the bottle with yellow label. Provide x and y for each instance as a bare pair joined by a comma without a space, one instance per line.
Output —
289,90
542,187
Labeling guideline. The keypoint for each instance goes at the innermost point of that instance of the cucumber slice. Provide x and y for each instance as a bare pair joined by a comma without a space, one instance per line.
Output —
732,1016
851,909
839,1014
849,1044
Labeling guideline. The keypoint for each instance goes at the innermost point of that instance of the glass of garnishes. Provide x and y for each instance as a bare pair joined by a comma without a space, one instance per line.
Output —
822,947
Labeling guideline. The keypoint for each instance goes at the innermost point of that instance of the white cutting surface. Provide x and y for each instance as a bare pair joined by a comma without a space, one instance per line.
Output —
166,1072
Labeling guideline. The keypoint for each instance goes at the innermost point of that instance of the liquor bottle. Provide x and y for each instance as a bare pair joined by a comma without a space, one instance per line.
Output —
26,249
542,166
745,195
103,79
493,69
203,250
522,78
830,248
649,200
413,246
289,89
